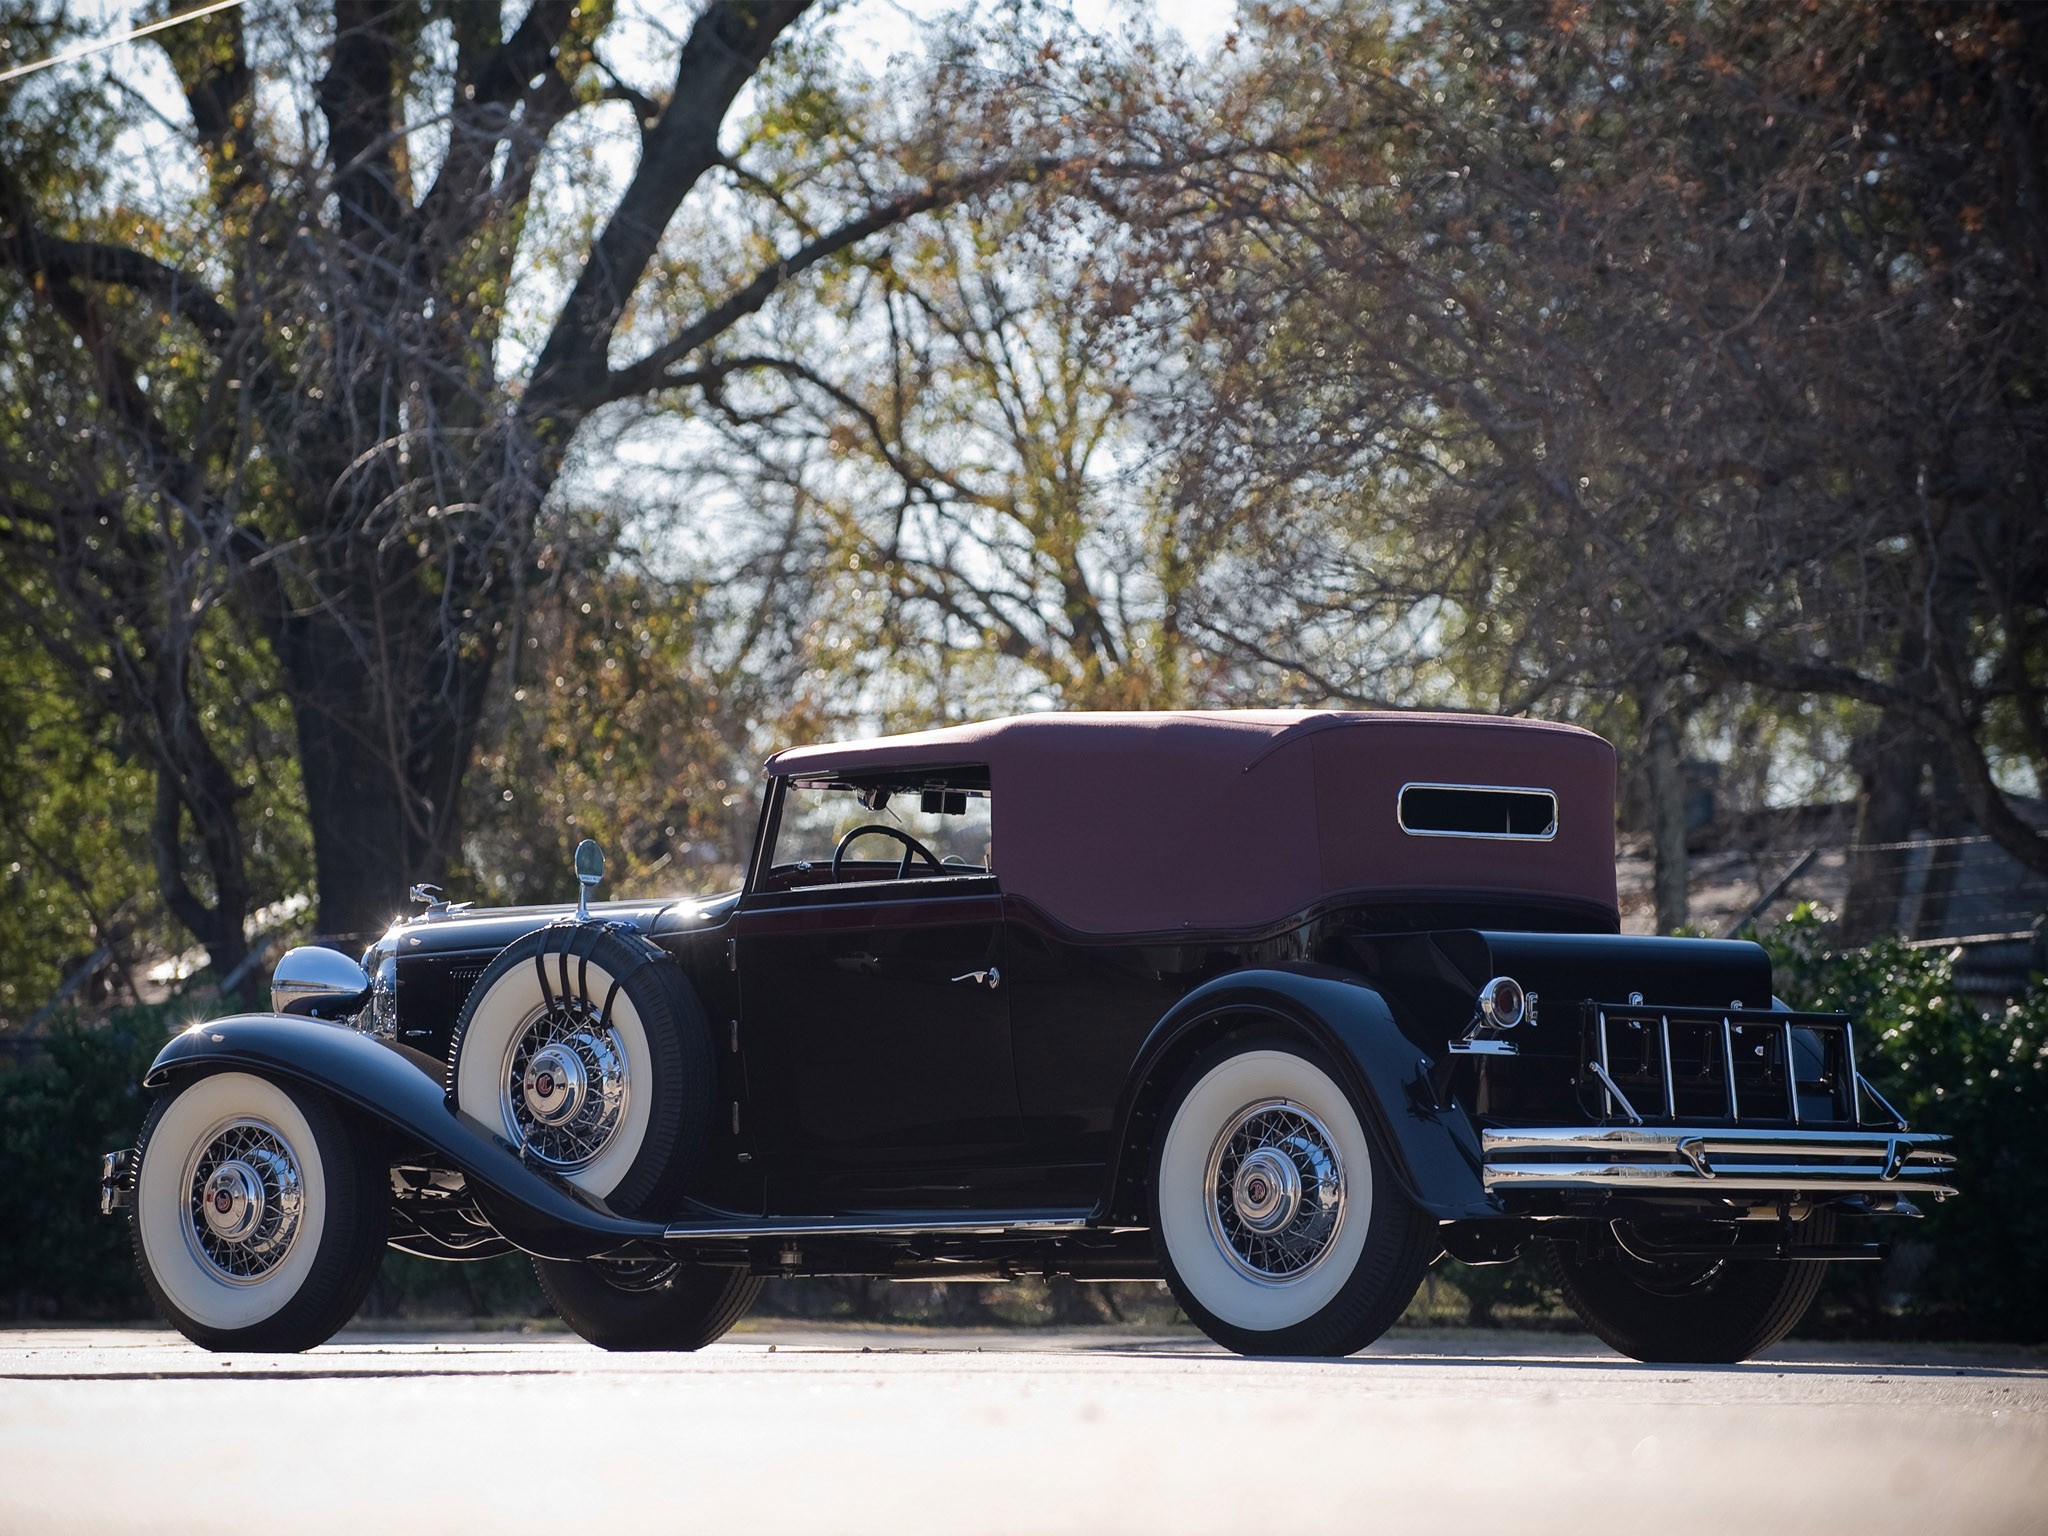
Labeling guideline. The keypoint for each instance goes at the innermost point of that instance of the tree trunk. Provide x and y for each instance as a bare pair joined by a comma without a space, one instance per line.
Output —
382,758
1947,817
1664,775
1889,761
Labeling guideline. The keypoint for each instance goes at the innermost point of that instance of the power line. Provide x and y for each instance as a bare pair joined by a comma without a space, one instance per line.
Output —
86,50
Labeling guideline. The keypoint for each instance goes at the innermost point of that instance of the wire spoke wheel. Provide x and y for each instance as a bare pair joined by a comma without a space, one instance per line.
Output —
565,1086
246,1200
1276,1182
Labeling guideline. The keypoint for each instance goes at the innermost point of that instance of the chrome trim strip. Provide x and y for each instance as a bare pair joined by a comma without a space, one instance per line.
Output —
1791,1074
990,1223
1575,1138
1728,1066
1790,1179
1670,1084
1600,1069
1495,789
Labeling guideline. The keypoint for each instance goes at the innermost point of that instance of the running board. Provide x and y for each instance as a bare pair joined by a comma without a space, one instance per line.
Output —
935,1224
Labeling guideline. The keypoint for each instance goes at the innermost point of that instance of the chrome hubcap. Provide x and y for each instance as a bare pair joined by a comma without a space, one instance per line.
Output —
1276,1185
232,1203
555,1085
247,1198
565,1085
1266,1191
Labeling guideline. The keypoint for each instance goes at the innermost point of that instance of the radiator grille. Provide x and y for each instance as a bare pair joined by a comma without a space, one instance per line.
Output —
461,979
1700,1066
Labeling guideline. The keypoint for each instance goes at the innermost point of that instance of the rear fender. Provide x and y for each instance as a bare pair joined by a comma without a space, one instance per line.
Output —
532,1208
1432,1151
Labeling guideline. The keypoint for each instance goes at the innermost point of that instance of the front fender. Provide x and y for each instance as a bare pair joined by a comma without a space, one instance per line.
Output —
532,1208
1432,1151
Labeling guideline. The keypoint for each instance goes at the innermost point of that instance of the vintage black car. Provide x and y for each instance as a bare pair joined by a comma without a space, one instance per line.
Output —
1276,1006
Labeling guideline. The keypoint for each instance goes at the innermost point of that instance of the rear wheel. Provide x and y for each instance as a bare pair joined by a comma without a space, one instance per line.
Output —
259,1213
1691,1311
1277,1228
647,1306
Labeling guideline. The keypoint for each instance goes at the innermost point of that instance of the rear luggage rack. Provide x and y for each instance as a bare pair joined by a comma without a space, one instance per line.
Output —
1730,1103
1722,1066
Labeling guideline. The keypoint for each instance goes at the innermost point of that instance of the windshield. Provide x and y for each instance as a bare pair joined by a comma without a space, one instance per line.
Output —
948,814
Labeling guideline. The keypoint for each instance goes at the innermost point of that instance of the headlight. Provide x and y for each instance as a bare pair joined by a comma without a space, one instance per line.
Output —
381,1017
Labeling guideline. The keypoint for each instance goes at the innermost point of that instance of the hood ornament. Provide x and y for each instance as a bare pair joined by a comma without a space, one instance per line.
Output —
436,904
589,873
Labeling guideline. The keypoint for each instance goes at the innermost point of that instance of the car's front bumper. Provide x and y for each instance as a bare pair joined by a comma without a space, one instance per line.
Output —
1716,1161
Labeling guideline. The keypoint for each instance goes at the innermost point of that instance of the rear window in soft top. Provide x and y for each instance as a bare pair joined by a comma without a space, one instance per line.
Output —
1477,810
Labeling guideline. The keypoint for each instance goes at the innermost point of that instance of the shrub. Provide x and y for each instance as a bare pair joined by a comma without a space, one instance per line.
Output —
1978,1265
59,1256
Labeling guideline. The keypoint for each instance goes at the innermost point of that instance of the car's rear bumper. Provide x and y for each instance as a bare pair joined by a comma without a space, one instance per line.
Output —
1716,1161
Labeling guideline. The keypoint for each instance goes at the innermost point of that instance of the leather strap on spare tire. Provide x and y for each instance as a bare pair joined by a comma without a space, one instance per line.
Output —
584,1045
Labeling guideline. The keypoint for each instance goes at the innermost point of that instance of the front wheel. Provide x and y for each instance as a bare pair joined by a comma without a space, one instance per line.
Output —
1691,1311
1278,1232
647,1306
259,1213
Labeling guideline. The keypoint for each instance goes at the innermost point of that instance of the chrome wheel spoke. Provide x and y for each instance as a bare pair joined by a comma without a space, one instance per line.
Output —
564,1087
245,1200
1276,1187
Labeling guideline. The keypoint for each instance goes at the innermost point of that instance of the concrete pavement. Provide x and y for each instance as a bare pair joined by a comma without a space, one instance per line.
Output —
787,1430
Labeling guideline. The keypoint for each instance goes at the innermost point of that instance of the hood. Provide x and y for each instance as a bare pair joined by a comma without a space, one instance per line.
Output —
492,928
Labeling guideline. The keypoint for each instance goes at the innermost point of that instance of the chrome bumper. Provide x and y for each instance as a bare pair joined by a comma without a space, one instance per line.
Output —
1715,1161
117,1181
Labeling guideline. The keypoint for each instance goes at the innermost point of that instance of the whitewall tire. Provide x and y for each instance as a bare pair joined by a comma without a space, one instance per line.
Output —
586,1048
259,1212
1277,1228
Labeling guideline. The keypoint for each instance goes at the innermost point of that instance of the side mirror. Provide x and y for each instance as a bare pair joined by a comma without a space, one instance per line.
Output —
317,982
589,874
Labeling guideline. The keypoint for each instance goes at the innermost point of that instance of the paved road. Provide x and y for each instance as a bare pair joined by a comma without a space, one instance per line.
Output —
897,1432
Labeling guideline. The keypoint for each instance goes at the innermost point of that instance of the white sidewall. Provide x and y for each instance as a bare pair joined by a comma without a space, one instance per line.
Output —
501,1013
1198,1256
162,1211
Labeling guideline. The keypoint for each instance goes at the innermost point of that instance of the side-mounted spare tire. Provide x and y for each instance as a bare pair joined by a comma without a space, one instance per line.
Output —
584,1044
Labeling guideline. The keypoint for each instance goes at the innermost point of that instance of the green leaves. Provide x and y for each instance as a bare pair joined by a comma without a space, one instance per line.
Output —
1949,1068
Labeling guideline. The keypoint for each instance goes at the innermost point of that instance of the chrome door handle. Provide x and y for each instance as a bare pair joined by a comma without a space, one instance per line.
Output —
992,976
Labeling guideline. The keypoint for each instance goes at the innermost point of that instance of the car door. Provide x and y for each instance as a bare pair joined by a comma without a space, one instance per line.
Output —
877,1037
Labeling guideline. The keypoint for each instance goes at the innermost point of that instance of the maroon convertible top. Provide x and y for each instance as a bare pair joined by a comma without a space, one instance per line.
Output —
1236,821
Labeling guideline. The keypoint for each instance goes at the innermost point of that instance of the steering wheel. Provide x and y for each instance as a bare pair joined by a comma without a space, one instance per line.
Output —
912,848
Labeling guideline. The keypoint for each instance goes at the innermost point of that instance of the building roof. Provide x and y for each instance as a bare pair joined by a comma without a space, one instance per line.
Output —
1165,822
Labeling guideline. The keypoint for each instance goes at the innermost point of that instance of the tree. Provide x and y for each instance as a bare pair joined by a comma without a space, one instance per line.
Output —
325,385
1654,347
950,485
